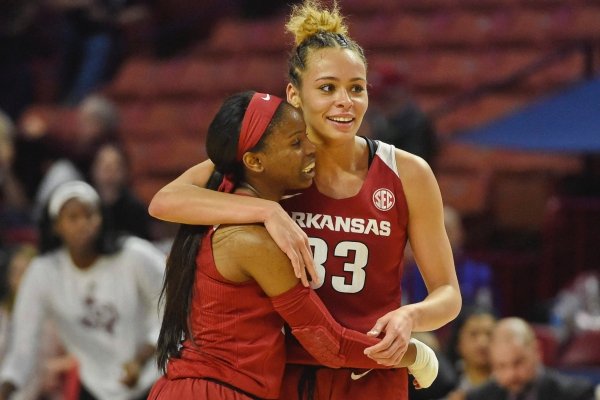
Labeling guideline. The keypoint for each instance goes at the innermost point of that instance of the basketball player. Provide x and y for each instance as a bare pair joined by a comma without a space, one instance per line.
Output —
367,200
233,284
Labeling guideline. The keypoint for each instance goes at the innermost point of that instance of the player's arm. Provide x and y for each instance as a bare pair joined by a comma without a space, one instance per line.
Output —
433,254
186,200
431,247
255,255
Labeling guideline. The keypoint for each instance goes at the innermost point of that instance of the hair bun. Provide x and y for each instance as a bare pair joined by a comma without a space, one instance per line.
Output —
312,17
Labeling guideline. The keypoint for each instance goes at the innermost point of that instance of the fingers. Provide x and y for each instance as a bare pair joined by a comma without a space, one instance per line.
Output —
381,346
392,355
309,264
378,327
293,241
298,266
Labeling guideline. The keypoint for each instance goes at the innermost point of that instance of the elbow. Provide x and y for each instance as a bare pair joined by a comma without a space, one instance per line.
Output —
157,207
456,305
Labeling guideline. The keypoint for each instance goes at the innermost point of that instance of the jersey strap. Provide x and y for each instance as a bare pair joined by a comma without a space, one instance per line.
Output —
372,145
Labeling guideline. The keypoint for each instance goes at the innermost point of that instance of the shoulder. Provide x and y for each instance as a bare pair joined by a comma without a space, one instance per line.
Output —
411,167
246,239
46,263
420,185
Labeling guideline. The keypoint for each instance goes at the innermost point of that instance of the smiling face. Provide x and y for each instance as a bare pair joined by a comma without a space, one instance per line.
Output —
333,94
288,157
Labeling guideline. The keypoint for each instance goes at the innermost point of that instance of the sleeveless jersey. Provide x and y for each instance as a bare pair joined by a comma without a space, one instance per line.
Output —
358,246
237,335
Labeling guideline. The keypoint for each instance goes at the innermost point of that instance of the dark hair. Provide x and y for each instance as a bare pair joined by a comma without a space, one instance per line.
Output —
180,273
107,241
465,315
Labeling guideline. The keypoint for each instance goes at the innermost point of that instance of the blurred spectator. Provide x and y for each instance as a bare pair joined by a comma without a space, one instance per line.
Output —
475,278
518,372
468,349
14,205
46,381
91,42
577,307
393,116
54,159
101,291
98,123
16,87
123,211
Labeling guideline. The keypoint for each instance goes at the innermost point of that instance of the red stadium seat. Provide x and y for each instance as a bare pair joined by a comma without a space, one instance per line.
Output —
549,343
582,350
135,79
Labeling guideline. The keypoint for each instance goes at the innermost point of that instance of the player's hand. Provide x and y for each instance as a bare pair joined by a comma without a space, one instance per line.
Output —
292,240
131,373
397,326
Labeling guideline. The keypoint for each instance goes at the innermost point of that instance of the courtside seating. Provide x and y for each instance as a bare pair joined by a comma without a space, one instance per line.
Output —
583,350
549,343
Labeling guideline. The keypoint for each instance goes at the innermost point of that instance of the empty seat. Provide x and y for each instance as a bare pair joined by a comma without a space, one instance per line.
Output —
56,121
576,22
549,343
167,156
465,190
520,26
236,36
458,28
134,79
582,350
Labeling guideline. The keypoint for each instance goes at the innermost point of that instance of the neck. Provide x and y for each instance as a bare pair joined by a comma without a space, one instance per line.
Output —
83,259
259,191
477,375
341,168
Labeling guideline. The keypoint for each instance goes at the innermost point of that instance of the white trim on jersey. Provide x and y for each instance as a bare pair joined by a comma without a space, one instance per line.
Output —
387,154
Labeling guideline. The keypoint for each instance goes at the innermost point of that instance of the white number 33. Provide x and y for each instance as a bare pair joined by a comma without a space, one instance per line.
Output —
356,266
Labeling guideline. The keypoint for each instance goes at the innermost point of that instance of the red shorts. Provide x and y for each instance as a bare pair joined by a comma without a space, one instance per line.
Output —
337,384
190,388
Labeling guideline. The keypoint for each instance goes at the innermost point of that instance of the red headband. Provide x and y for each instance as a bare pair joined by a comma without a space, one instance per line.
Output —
257,118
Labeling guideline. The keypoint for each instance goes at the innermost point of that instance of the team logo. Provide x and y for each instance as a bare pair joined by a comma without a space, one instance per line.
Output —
383,199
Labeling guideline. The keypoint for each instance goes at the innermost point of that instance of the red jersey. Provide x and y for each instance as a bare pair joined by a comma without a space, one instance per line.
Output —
238,336
358,243
358,248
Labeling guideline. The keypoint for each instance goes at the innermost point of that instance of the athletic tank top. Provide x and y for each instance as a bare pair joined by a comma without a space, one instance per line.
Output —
238,336
358,246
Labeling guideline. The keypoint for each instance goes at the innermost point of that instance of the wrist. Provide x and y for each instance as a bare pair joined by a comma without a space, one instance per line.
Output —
425,367
268,210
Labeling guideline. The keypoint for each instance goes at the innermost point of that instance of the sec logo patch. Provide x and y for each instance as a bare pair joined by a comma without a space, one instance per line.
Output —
383,199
